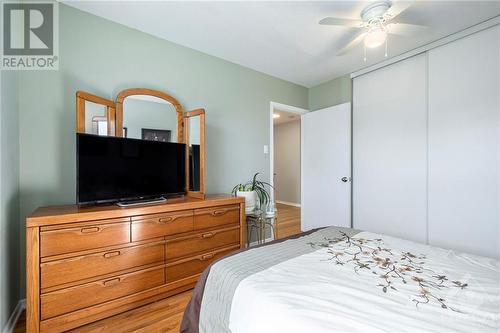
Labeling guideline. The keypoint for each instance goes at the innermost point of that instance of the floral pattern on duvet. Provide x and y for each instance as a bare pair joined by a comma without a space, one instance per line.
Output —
390,269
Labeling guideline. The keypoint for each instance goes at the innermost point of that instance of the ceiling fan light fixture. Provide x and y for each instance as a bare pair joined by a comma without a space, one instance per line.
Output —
375,37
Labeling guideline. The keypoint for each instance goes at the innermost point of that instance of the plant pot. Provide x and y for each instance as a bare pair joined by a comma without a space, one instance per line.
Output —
250,200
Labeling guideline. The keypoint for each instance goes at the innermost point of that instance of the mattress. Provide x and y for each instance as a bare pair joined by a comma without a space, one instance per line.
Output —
345,280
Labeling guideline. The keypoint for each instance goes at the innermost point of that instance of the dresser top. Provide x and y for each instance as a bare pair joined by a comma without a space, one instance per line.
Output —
74,213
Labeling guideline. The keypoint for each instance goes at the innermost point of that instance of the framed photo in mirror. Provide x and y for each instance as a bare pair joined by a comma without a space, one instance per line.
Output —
156,135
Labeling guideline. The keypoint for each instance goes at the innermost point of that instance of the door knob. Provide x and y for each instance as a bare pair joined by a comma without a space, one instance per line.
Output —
345,179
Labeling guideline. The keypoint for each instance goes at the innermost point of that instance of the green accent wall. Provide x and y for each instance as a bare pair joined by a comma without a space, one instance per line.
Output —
333,92
10,229
102,57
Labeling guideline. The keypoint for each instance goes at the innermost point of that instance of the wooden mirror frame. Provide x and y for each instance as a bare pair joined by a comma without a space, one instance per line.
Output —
151,92
81,98
197,112
114,116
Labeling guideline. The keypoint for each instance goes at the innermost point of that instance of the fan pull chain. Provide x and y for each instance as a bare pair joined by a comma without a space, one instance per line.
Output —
364,47
386,47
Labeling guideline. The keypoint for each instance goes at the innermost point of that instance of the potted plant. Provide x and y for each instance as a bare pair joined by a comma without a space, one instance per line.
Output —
251,191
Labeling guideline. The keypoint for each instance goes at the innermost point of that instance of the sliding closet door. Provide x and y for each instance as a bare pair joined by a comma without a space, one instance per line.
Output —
464,135
390,150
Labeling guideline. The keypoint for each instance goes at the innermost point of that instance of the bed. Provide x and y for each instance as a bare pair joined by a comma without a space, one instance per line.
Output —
345,280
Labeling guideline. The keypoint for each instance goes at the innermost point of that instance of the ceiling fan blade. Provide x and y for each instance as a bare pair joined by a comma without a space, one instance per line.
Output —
353,43
397,8
404,29
341,22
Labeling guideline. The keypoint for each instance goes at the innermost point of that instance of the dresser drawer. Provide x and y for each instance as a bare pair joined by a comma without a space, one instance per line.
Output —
80,237
216,216
195,265
202,242
83,267
159,225
74,298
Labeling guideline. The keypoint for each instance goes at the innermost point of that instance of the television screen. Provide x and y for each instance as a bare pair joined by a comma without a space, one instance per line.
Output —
112,169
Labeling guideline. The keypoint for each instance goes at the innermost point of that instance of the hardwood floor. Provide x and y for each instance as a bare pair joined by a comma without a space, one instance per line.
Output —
288,220
165,316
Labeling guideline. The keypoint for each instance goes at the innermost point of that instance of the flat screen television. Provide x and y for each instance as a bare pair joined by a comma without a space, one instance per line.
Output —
112,169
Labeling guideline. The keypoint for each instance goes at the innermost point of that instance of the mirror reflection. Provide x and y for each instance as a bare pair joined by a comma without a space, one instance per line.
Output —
96,121
149,118
194,152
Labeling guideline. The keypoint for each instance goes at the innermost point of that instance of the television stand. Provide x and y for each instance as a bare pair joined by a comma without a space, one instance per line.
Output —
137,202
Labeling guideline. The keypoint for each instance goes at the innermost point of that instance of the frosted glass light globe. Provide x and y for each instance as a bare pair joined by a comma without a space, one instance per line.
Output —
375,37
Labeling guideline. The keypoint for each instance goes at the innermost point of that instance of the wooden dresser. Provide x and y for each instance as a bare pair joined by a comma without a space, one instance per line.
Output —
87,263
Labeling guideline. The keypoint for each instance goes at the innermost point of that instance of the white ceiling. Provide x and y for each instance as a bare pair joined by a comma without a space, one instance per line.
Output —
284,38
284,117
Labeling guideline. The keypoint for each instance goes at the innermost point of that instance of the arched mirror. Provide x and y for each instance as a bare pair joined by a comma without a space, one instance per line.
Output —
148,115
194,137
94,114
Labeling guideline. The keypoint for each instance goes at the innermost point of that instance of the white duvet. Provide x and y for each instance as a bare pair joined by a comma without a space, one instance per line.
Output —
328,291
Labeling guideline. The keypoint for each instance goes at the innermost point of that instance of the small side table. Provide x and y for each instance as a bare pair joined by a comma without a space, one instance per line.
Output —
258,222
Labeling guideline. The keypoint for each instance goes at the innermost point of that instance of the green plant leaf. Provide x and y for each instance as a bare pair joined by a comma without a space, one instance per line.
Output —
258,186
235,189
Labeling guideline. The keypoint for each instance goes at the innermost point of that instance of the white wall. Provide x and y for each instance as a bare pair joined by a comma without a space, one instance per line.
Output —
287,162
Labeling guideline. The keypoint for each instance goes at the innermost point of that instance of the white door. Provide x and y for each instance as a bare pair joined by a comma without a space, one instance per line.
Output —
326,168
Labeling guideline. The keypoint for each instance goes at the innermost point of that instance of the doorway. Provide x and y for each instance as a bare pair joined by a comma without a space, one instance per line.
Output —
285,167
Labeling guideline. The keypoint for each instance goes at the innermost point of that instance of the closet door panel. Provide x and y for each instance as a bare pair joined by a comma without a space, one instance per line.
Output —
390,150
464,127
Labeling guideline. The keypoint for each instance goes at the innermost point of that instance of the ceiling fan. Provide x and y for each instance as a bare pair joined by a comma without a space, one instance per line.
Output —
378,19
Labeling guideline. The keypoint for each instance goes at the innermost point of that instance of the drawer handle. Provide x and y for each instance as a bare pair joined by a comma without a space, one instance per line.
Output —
90,230
219,212
111,254
111,282
166,219
207,256
207,235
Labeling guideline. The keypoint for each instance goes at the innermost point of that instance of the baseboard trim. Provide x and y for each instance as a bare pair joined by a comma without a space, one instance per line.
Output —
11,323
288,203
